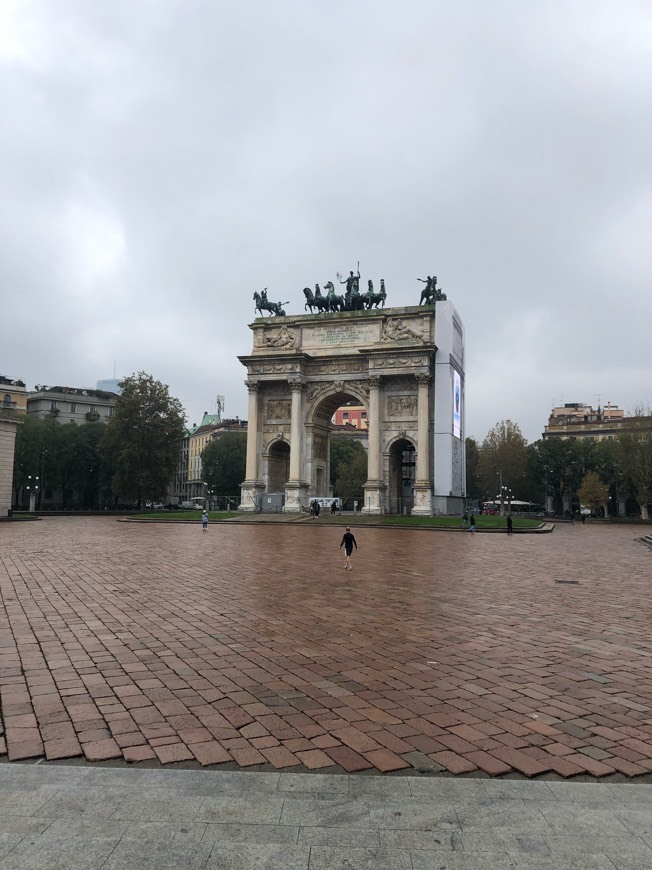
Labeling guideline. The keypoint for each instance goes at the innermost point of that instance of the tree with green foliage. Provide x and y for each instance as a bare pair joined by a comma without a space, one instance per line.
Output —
564,462
31,442
502,456
607,465
224,461
66,459
635,457
348,460
143,438
593,492
342,450
88,473
473,488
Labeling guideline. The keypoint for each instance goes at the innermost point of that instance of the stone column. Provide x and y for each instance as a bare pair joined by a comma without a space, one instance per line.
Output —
252,488
296,489
423,441
374,488
296,431
423,483
252,432
373,471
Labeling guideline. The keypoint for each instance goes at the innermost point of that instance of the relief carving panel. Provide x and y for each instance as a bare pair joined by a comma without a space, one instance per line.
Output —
401,406
279,409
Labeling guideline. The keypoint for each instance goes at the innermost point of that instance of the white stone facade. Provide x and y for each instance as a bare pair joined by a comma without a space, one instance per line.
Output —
402,364
8,428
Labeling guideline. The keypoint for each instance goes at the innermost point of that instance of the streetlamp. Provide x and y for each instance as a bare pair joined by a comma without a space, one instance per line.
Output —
32,490
499,475
506,494
44,450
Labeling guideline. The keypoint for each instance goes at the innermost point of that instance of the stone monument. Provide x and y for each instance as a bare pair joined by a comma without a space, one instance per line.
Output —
405,365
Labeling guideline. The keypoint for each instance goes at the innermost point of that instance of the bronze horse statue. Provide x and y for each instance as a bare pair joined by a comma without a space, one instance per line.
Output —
316,300
375,300
335,301
263,304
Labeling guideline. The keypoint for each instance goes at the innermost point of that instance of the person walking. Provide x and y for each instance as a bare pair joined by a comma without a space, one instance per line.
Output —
348,542
204,521
472,523
465,520
509,524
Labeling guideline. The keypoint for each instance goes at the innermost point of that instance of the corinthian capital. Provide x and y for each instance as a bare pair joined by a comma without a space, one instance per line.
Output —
252,385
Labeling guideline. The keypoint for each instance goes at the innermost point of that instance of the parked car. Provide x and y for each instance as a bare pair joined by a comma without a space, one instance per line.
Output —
191,506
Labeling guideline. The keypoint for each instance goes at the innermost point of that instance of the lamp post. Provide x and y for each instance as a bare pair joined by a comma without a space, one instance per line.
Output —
44,450
32,490
207,493
499,475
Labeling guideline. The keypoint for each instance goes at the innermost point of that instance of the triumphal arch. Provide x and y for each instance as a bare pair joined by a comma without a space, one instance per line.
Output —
405,365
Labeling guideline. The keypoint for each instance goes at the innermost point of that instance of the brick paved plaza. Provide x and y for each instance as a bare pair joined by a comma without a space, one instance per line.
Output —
249,645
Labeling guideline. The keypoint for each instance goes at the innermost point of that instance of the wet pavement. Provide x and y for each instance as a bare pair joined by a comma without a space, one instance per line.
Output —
251,647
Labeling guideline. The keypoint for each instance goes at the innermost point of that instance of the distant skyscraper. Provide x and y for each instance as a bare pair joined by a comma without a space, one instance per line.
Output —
110,385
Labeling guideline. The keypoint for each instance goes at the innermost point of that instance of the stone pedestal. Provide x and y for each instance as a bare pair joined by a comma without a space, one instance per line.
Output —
296,497
251,492
374,497
422,500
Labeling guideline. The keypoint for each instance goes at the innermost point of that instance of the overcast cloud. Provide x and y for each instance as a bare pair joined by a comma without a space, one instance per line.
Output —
162,159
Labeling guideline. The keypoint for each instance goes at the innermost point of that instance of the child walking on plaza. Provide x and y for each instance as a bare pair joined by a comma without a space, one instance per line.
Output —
348,542
204,521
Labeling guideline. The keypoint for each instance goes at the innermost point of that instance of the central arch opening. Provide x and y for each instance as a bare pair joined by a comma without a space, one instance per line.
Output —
327,422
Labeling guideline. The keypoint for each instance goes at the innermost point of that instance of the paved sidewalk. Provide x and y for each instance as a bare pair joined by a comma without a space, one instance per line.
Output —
86,818
250,647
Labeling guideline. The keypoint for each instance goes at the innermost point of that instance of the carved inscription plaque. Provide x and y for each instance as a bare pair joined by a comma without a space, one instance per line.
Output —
341,335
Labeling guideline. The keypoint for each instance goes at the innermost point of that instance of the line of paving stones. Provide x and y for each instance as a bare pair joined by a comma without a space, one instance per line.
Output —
61,817
250,647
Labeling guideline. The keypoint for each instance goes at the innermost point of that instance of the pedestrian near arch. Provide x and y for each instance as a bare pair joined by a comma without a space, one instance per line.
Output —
204,521
348,542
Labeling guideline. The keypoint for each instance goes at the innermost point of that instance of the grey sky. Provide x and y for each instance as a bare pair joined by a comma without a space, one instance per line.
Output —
163,159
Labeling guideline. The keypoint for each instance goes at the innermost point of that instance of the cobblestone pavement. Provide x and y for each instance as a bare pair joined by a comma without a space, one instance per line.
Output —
251,646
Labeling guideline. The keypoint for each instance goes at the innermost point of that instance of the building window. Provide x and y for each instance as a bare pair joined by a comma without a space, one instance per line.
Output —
364,415
111,411
6,399
345,415
73,407
53,406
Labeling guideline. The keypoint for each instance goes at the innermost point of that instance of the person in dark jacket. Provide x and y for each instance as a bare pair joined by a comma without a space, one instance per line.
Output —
348,542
